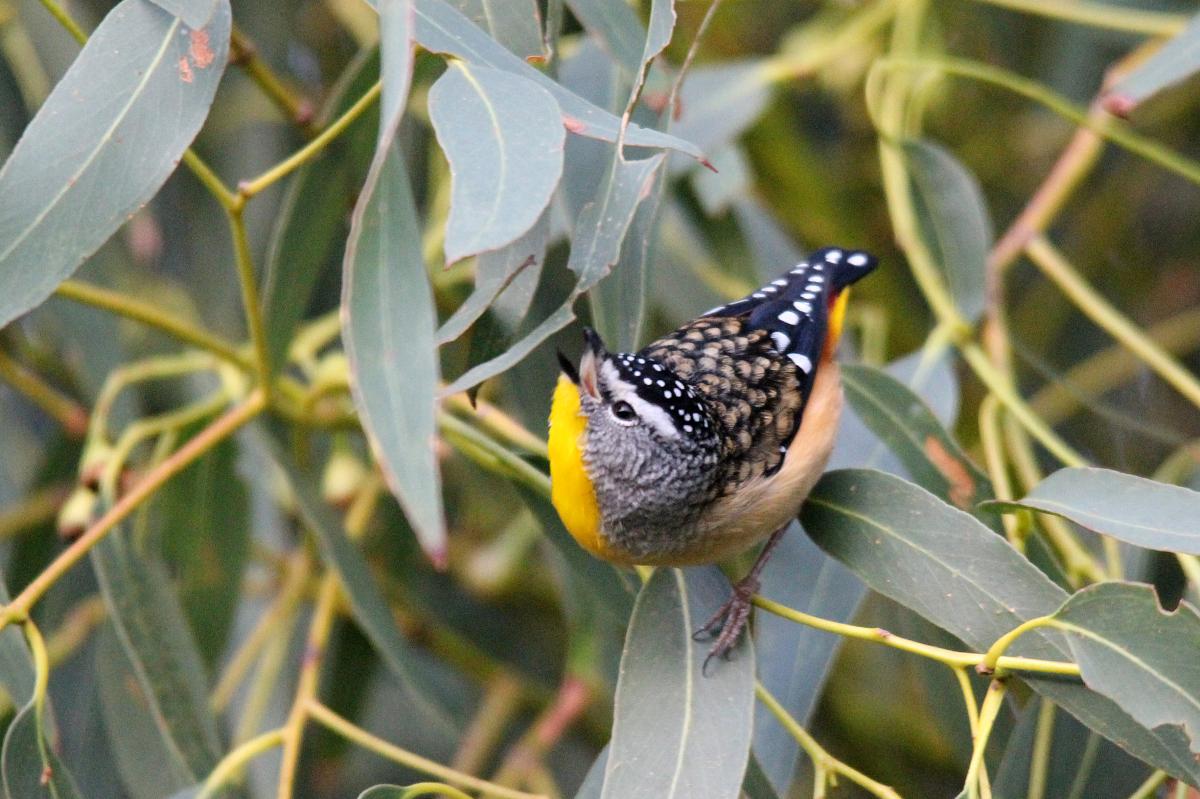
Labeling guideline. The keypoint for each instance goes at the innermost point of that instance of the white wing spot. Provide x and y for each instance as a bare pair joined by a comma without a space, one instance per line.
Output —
801,361
789,318
858,259
802,307
834,257
781,340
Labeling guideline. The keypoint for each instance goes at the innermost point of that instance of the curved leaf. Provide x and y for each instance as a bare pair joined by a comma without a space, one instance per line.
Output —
599,233
103,143
388,317
442,29
948,567
1133,652
516,24
676,732
718,102
905,423
1178,60
503,136
30,767
312,216
366,600
955,218
1138,511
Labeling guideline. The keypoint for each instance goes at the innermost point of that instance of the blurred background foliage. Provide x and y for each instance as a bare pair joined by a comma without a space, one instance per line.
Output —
518,664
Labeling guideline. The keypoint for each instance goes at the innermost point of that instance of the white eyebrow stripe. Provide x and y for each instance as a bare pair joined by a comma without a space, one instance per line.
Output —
654,415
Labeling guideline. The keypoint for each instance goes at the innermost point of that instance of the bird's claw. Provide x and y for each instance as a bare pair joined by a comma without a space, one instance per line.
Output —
728,623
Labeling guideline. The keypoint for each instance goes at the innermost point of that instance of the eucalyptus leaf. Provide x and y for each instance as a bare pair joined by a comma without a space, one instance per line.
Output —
311,218
29,766
1174,62
503,136
388,313
794,660
676,732
442,29
1132,651
719,102
599,234
154,634
954,216
617,26
1133,509
943,563
516,24
194,13
906,424
367,603
100,149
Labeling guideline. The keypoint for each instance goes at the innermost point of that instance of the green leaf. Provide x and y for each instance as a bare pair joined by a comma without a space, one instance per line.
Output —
516,24
954,217
1142,512
1133,652
17,674
194,13
503,272
441,29
503,136
1174,62
103,143
794,660
388,314
944,564
719,102
676,732
142,757
311,218
599,232
905,423
617,26
31,769
367,603
593,782
203,518
153,632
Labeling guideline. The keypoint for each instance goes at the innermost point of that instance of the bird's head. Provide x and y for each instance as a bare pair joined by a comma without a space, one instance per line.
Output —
623,431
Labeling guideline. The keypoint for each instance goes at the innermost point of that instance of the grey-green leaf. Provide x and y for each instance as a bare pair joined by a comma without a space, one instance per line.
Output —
30,768
1176,61
503,136
516,24
954,216
676,732
366,600
388,317
1136,510
906,424
944,564
194,13
1138,655
311,218
617,26
103,143
599,233
719,102
442,29
153,631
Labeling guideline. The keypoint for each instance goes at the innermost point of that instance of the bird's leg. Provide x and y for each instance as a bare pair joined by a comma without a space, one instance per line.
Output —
731,618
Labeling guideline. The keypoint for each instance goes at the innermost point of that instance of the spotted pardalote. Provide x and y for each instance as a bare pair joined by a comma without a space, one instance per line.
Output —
707,441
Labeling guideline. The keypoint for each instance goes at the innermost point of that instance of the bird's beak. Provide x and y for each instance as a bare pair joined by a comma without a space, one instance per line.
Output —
568,368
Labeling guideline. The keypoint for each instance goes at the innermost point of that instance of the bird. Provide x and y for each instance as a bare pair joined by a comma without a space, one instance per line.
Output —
707,441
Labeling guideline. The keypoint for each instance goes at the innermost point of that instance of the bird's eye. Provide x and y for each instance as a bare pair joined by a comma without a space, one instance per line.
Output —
623,411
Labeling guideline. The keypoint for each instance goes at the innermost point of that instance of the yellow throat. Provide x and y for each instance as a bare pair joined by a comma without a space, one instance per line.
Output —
570,487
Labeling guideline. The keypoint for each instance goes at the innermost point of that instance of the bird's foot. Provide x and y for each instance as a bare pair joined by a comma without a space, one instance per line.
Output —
730,620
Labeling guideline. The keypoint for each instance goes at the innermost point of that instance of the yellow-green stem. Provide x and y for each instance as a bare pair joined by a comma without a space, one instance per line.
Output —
243,53
130,308
249,188
822,760
949,657
1039,764
355,734
988,712
68,413
230,767
1149,788
1055,266
219,430
993,658
1100,15
250,302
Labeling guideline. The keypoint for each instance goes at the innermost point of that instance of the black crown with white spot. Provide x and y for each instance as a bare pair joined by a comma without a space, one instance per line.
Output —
656,384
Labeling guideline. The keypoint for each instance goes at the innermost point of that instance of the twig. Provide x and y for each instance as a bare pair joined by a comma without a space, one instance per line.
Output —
69,414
